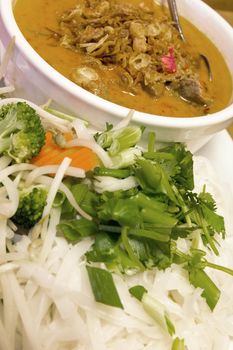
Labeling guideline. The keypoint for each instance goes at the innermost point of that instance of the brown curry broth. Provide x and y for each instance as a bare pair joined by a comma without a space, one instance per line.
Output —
33,17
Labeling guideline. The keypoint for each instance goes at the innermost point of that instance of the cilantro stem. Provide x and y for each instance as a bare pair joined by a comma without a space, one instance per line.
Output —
207,235
182,205
157,236
158,155
117,173
220,268
132,255
151,142
110,228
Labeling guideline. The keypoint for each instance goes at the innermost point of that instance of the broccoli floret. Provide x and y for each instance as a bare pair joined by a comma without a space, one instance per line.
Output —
21,132
31,205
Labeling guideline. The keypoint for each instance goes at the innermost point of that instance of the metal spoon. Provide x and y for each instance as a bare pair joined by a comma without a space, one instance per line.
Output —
175,18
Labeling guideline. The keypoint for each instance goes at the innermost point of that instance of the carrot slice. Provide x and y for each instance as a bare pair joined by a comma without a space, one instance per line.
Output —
52,154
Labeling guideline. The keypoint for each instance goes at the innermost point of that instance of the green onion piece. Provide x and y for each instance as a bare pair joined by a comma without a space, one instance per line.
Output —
124,138
157,311
170,325
59,199
153,308
126,157
178,344
103,287
138,292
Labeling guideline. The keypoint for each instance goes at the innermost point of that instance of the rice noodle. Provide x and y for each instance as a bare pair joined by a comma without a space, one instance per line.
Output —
9,207
124,122
81,131
50,234
52,169
5,343
104,157
45,180
24,312
7,57
6,89
4,258
3,234
52,193
10,170
10,316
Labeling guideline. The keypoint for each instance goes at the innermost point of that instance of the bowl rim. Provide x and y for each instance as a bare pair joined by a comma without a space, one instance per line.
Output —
56,78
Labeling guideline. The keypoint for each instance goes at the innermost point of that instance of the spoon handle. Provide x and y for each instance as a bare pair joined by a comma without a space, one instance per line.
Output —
175,17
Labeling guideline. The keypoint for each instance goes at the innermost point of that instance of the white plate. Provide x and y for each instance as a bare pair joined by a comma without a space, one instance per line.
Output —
219,151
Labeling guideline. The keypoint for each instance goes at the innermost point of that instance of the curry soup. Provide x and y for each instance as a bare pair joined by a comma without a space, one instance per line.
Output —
40,22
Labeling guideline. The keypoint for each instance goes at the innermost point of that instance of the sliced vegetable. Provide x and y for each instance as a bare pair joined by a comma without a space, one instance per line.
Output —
52,154
103,287
153,308
178,344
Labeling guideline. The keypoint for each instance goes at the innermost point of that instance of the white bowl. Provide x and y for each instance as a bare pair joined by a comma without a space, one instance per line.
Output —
37,80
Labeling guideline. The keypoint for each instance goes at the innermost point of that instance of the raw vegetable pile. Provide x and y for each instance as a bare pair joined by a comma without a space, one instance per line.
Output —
133,209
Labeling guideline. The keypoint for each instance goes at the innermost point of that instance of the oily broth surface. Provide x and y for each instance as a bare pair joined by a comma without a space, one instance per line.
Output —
34,17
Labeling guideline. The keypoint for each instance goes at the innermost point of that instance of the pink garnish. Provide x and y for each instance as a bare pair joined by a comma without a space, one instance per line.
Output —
169,62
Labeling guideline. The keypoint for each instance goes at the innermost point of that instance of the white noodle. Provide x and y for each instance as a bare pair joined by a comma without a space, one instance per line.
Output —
104,157
6,58
52,194
3,234
95,332
10,206
50,234
4,343
6,89
124,122
55,186
15,169
69,195
52,169
81,130
10,313
24,312
14,256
